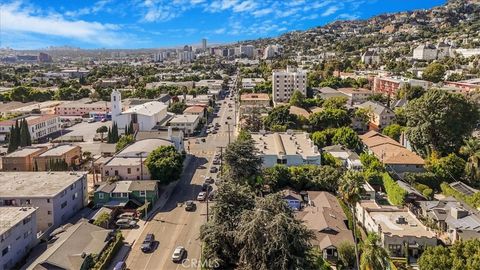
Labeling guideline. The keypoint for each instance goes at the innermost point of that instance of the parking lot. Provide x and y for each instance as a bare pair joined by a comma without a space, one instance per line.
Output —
87,130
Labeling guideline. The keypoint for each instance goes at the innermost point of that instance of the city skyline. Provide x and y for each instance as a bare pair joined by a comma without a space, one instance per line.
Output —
158,24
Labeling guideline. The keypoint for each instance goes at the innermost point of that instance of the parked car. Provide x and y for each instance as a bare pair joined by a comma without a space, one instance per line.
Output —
190,206
216,162
203,140
213,169
125,223
91,120
127,215
201,196
209,180
121,265
103,120
148,243
178,254
206,186
214,131
228,117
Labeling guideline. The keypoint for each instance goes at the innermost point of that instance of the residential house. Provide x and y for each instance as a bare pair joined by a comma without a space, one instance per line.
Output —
401,233
453,219
350,159
391,153
328,92
126,193
188,123
380,116
22,159
255,99
196,110
371,57
71,248
293,199
250,83
325,217
356,95
129,164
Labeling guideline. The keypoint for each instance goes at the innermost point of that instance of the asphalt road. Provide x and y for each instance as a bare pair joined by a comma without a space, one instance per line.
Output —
172,225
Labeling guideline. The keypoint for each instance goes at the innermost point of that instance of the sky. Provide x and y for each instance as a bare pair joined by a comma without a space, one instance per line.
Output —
130,24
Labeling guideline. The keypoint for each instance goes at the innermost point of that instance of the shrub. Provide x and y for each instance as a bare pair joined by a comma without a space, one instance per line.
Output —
396,195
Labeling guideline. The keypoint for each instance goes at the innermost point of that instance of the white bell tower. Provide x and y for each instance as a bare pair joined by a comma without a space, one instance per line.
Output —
116,104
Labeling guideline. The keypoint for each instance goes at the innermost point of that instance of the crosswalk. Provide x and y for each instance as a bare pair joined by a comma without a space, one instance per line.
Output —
202,153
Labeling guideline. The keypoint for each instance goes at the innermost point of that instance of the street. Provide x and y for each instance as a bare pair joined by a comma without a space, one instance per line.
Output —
172,225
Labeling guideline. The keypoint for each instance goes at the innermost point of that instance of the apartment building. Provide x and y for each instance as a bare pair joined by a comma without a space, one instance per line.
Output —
254,99
18,234
66,154
40,126
81,107
288,148
188,123
401,233
57,195
390,85
22,159
250,83
356,95
285,82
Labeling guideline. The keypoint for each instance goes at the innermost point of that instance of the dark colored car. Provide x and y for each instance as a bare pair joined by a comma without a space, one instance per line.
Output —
148,243
209,180
190,206
121,265
213,169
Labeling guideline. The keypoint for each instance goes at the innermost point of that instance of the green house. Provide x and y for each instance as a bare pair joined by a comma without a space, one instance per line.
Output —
129,194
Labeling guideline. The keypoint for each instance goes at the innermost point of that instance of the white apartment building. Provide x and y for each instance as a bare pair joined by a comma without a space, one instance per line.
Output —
288,148
39,125
271,51
187,123
57,195
18,234
186,56
285,82
250,83
397,227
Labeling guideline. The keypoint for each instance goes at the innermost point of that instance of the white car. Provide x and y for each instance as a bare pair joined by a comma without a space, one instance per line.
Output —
178,254
201,196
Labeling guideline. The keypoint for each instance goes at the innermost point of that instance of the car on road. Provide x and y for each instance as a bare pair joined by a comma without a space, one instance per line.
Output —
121,265
228,117
190,206
203,140
91,120
213,169
202,196
125,223
178,254
216,161
148,243
214,131
206,186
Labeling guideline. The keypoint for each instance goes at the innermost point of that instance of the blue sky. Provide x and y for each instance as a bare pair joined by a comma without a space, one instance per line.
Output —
30,24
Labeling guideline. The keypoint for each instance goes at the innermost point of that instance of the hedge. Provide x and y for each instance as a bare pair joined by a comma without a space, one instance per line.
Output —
396,195
472,200
103,261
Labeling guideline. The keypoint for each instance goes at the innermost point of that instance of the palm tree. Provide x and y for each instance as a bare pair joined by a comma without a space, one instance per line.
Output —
350,189
374,257
471,149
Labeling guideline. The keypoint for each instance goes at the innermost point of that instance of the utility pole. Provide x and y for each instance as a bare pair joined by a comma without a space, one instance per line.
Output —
206,198
228,125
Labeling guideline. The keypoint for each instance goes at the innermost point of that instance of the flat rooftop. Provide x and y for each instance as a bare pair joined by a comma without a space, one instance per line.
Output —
282,144
189,118
11,216
58,150
388,221
26,151
35,184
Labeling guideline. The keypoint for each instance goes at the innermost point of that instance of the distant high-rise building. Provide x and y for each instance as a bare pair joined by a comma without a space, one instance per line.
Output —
285,82
44,58
272,51
204,44
158,57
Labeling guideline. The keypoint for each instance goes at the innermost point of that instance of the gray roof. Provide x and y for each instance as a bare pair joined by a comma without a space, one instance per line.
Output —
408,188
376,107
144,146
66,252
36,184
150,185
58,150
463,188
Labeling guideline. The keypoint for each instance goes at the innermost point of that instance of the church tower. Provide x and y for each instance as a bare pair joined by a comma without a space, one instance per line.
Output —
116,104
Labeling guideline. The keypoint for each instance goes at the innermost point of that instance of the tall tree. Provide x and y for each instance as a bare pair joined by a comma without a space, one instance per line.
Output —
25,139
165,164
440,121
434,72
297,99
280,115
12,140
374,257
286,241
350,189
329,118
471,149
241,159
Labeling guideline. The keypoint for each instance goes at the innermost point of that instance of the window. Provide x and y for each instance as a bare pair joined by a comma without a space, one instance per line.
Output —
142,193
49,224
116,173
49,213
100,196
106,173
48,200
129,170
5,251
64,204
125,195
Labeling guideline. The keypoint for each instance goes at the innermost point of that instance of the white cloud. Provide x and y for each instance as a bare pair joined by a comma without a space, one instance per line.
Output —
97,7
220,31
17,20
245,6
331,10
262,12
